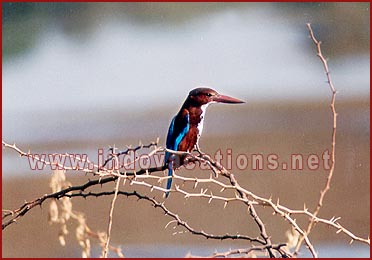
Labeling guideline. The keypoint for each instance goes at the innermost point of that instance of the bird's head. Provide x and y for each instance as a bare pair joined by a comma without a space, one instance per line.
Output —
203,96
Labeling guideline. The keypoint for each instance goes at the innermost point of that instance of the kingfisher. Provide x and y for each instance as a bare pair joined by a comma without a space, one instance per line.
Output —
187,126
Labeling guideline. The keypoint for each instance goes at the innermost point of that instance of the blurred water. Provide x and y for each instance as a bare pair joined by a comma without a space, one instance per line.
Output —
99,86
256,54
123,64
174,251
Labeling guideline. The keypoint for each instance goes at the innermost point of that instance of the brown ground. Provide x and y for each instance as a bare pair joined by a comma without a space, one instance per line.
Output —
281,128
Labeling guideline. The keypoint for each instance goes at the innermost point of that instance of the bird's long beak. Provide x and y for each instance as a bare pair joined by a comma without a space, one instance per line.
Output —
226,99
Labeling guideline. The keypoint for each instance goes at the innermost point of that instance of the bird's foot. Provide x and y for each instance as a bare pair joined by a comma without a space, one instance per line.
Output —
197,148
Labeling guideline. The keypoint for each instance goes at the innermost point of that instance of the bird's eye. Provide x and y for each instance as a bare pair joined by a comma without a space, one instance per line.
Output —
209,94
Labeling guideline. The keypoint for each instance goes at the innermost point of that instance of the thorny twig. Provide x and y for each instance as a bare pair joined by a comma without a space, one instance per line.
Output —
333,142
245,252
167,212
113,154
106,248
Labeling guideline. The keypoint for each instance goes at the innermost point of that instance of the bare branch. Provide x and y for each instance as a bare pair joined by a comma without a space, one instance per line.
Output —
245,252
167,212
333,142
105,250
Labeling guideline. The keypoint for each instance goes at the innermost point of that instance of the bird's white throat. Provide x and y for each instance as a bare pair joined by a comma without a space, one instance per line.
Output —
200,125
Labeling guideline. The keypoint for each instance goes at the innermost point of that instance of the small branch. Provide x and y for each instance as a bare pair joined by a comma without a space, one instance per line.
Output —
129,149
101,171
333,142
246,251
167,212
16,214
106,248
252,210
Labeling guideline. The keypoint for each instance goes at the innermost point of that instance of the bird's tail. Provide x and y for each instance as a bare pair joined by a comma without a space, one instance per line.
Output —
169,182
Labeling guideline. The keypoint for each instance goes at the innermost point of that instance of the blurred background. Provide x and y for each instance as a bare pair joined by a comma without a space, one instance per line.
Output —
83,76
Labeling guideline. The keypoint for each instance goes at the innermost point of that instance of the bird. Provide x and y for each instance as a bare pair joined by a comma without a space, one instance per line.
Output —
186,126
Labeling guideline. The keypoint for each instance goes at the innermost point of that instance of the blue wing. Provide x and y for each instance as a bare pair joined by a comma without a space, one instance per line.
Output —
177,131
